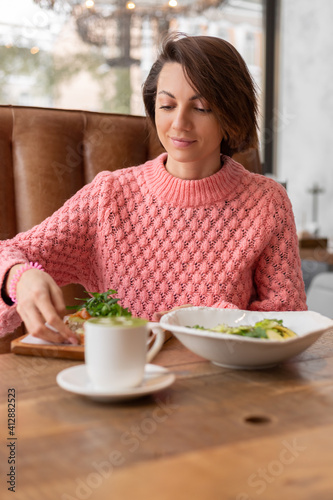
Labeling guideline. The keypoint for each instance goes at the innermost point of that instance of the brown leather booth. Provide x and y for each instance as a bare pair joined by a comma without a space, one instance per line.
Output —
48,154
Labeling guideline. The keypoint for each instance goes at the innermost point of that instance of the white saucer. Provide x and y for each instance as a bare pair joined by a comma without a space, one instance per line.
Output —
75,379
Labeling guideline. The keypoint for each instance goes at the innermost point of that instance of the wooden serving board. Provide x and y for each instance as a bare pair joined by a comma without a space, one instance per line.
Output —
63,351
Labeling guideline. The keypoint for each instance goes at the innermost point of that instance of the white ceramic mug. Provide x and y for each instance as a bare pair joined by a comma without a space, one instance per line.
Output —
116,351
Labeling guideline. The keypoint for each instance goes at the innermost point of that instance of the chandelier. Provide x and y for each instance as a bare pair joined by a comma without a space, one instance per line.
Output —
109,23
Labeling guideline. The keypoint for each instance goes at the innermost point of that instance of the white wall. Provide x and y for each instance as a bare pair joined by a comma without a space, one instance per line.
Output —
305,108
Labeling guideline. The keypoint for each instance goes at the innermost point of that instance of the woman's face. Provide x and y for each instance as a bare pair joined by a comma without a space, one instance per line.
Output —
186,126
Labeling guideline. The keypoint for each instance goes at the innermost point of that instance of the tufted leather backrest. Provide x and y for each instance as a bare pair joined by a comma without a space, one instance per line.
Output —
48,154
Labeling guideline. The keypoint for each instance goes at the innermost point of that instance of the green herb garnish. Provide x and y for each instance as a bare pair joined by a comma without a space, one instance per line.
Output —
102,304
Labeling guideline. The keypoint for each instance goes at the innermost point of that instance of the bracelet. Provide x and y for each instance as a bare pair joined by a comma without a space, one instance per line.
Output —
17,276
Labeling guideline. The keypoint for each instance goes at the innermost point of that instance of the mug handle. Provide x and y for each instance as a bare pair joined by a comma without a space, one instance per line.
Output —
158,342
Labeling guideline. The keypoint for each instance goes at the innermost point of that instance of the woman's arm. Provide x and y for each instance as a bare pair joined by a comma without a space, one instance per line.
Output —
278,276
272,277
62,244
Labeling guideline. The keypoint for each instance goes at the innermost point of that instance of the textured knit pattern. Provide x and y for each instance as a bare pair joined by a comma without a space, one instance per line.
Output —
227,241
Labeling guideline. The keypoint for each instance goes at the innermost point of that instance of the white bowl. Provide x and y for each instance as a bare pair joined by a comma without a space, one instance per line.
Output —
234,351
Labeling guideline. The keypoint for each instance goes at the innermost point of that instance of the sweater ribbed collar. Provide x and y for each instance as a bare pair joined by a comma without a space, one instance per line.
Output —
192,193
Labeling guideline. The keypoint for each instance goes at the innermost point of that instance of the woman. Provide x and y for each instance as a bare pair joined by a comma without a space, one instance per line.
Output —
191,226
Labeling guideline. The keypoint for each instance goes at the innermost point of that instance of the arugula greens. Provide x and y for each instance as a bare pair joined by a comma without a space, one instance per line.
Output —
102,304
272,329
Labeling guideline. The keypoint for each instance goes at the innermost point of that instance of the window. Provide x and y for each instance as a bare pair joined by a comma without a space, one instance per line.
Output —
95,55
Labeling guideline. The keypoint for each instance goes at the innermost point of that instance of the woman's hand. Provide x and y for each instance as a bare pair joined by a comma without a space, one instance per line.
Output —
40,301
158,314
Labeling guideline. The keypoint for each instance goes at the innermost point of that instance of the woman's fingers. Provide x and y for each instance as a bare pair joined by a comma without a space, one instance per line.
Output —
57,300
53,312
37,326
54,323
40,301
158,314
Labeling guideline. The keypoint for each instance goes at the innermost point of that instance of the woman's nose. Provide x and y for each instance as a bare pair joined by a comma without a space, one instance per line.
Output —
182,120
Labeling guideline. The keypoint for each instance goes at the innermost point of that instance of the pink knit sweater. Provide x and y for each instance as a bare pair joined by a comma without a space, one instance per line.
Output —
227,241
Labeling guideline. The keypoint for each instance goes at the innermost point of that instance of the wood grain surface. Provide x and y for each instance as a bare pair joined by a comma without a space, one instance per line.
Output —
215,433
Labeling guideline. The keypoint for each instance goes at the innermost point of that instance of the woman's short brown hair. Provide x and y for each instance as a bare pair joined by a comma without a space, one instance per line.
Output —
219,74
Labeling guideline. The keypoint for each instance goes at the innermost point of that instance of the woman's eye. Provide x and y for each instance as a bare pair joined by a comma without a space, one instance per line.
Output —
165,107
204,110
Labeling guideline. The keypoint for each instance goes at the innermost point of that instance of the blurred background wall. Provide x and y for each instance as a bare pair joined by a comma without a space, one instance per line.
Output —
304,152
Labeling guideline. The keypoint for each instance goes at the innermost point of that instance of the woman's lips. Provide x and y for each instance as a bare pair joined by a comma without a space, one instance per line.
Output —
181,143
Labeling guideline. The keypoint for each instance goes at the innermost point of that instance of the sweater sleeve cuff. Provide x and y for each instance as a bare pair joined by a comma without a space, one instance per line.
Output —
7,300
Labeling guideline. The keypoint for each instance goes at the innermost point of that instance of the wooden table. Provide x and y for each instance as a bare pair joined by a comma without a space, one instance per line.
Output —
215,434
